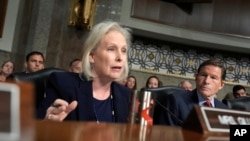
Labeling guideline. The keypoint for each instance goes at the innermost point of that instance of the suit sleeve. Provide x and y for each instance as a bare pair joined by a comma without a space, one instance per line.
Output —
51,94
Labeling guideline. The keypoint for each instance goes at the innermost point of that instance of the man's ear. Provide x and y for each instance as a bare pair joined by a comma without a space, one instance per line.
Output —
222,84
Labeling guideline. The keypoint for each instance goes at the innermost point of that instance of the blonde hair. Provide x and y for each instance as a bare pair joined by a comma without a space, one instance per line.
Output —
93,40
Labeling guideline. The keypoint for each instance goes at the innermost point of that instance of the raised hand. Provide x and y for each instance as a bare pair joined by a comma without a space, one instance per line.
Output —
59,110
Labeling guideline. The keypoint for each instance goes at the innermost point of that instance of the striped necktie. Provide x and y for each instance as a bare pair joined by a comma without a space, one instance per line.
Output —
207,103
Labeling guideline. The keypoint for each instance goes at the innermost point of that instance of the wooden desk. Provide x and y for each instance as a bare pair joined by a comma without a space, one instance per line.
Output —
44,130
91,131
27,113
27,121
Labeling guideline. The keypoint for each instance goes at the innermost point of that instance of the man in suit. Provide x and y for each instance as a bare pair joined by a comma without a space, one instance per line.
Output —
239,91
34,62
75,66
209,80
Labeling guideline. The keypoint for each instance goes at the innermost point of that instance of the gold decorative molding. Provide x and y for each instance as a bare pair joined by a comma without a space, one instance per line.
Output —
82,13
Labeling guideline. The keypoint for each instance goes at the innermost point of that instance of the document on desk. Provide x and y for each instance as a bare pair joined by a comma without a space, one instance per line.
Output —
9,112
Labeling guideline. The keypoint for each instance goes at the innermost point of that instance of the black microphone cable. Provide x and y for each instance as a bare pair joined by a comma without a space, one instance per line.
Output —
180,122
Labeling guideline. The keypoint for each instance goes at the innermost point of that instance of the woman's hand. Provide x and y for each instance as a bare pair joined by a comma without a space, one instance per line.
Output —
59,110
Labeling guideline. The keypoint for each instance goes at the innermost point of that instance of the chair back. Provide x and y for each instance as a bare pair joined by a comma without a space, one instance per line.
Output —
38,79
242,103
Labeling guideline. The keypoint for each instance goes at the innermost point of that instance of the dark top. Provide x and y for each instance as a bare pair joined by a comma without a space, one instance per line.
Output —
176,107
70,87
103,110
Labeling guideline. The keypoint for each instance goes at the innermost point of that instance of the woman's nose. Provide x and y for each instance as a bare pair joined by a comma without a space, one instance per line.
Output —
119,56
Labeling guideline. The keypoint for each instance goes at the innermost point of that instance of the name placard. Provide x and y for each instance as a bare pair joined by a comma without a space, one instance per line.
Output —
215,120
218,120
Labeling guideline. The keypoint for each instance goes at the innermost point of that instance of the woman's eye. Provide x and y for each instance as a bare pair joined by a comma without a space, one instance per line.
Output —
111,49
124,50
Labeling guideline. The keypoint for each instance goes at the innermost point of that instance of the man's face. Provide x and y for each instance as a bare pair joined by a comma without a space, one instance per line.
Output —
208,81
76,67
187,86
35,63
240,93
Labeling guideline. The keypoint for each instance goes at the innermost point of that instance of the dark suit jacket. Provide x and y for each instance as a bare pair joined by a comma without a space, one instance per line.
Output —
70,87
177,108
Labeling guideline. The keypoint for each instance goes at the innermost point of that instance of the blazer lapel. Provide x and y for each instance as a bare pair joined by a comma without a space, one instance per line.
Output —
118,102
85,101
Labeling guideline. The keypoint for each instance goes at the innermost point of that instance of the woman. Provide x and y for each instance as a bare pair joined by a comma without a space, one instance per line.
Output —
101,98
131,82
153,82
6,69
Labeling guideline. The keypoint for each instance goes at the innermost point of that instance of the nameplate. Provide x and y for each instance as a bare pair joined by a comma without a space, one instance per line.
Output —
215,120
9,112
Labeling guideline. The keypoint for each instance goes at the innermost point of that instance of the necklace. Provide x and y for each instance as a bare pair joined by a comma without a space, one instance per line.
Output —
104,110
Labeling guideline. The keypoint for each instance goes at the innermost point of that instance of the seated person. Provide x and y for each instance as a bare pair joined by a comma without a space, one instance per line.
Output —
209,80
239,91
102,98
186,85
153,82
241,101
75,66
6,69
131,82
34,62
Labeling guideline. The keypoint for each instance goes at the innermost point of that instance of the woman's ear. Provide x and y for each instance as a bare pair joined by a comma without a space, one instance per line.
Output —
91,58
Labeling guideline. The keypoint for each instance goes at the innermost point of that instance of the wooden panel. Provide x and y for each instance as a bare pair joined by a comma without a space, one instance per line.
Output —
91,131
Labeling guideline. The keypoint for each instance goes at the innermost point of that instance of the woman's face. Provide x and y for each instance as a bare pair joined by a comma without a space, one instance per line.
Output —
8,68
153,83
131,82
110,57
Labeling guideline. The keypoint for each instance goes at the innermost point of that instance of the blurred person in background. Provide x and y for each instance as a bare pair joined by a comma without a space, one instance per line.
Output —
131,82
7,68
186,85
75,66
239,91
34,62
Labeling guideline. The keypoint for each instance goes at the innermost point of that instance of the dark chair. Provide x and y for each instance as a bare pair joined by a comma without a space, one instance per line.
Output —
38,79
159,96
242,103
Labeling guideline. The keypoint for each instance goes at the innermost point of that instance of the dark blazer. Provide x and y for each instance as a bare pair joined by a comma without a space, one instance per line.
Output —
68,86
177,108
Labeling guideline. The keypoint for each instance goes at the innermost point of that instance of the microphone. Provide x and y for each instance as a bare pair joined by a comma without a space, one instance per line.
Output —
179,121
